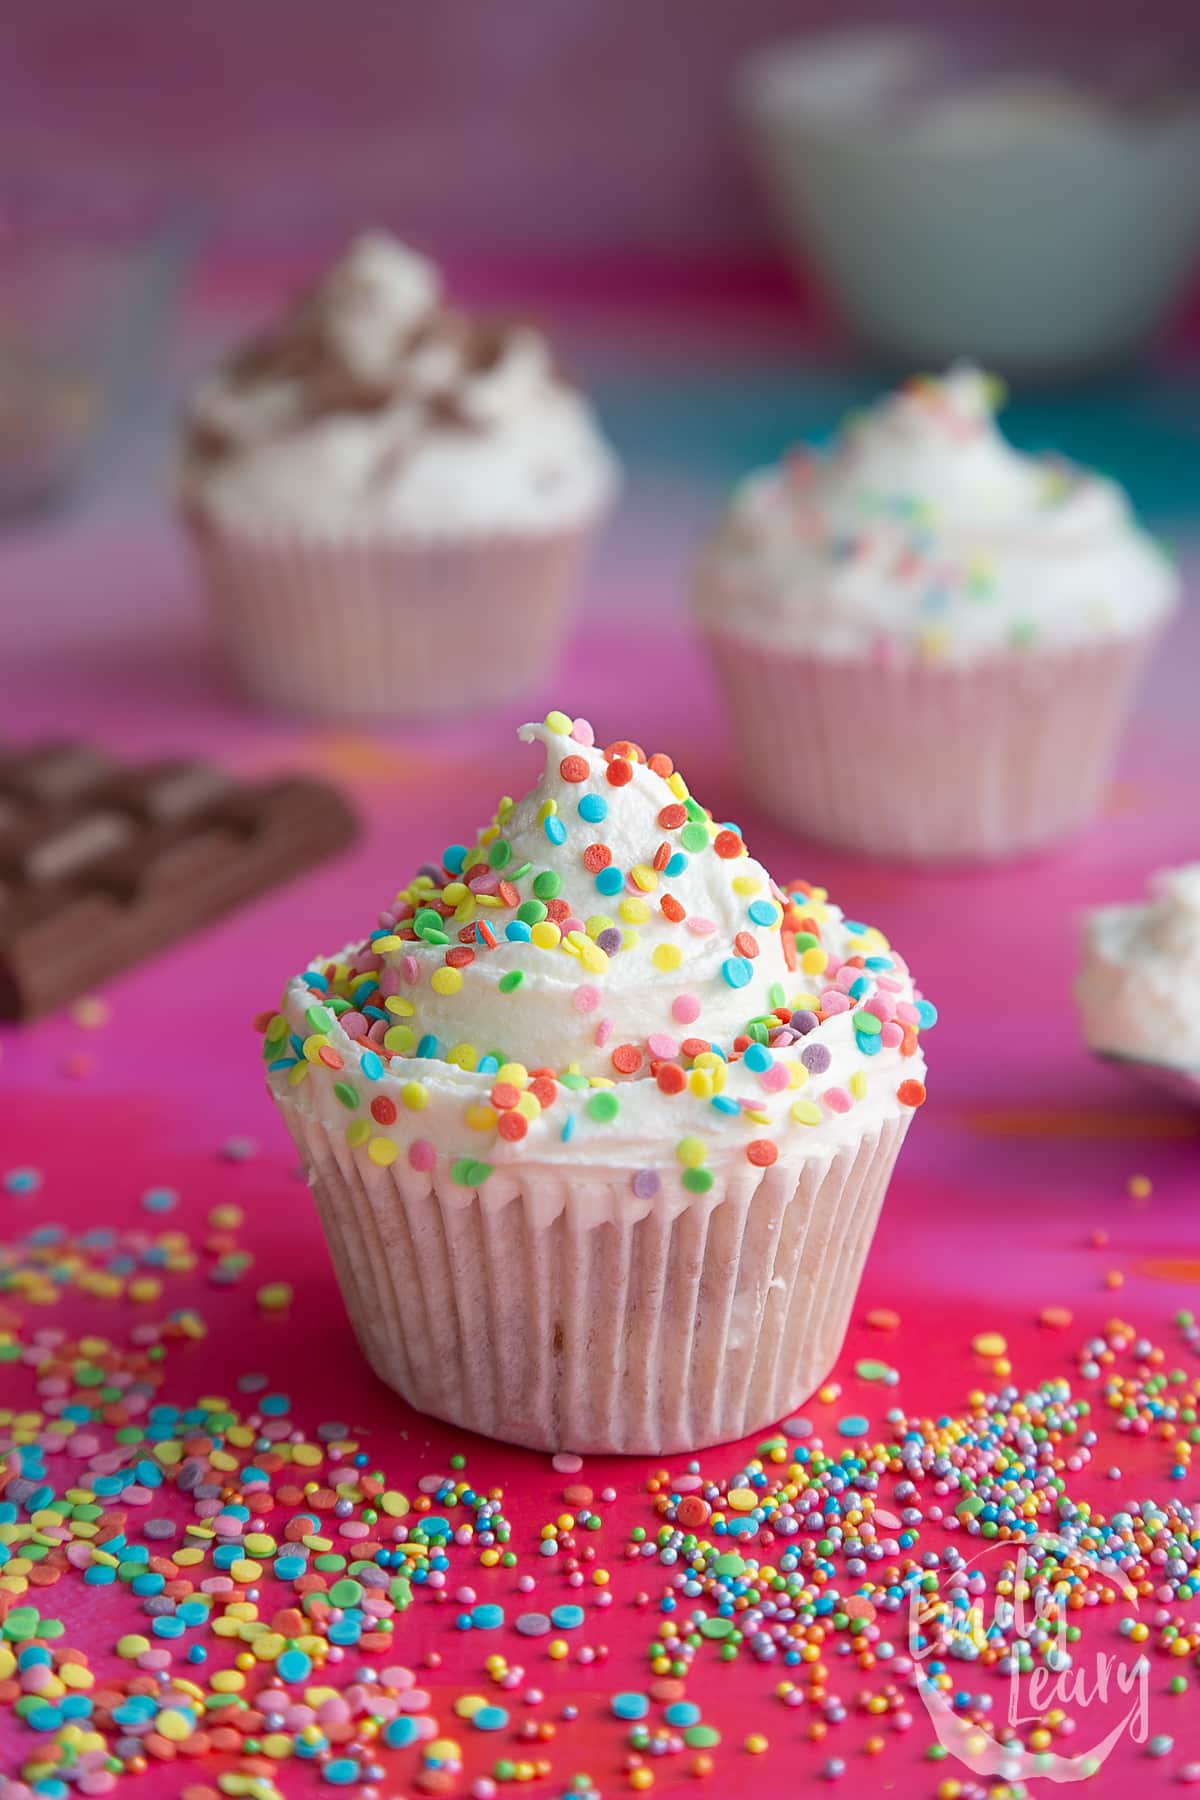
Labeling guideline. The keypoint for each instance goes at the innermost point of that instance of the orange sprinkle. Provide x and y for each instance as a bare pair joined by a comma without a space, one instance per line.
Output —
746,944
573,768
627,1059
671,909
596,857
662,765
671,1078
620,772
911,1093
762,1153
672,817
728,844
512,1126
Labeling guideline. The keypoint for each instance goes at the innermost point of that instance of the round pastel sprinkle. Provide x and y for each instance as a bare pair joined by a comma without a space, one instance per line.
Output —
566,1617
629,1706
646,1184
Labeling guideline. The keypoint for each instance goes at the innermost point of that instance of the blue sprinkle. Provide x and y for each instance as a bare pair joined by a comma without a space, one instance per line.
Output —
167,1626
399,1733
854,1425
859,990
488,1617
44,1718
160,1199
869,1044
682,1713
556,831
490,1718
630,1706
371,1066
568,1130
566,1617
341,1771
453,858
724,1104
427,1046
313,979
878,962
610,880
489,1065
23,1181
737,971
294,1665
676,864
517,932
758,1058
763,912
274,1405
593,808
927,1012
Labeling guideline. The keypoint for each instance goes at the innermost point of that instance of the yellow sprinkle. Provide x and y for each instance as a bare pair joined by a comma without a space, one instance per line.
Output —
245,1569
307,1455
297,1073
529,1106
797,1075
814,961
357,1132
559,723
446,981
393,1503
545,934
174,1726
989,1343
858,1084
593,958
132,1645
740,1500
382,1151
227,1681
644,877
514,1074
481,1118
805,1112
400,1038
399,1006
415,1096
1141,1187
678,785
633,910
467,1705
463,1056
700,1083
746,884
691,1152
274,1296
667,956
381,945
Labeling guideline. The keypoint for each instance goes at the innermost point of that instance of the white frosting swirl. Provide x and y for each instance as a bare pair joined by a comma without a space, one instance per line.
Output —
1139,986
372,407
926,533
610,964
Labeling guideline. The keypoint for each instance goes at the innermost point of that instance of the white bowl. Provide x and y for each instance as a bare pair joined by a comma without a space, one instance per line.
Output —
1028,222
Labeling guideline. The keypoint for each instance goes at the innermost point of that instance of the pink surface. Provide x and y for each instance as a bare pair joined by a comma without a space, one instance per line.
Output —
1025,1148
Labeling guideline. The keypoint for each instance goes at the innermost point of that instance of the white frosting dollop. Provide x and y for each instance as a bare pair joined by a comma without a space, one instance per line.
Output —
610,963
372,407
925,533
1139,985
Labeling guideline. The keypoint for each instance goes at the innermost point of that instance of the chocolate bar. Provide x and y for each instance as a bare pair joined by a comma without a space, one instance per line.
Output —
102,864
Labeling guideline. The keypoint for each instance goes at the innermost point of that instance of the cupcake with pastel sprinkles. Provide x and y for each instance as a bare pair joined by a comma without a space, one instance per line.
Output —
930,641
391,500
1138,988
599,1118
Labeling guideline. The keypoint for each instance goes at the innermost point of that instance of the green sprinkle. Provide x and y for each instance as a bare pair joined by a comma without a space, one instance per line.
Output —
694,837
547,885
319,1019
499,853
346,1093
512,978
603,1106
697,1181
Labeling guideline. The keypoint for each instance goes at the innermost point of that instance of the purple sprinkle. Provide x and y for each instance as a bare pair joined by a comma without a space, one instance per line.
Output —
610,940
158,1528
804,1021
646,1184
532,1624
816,1058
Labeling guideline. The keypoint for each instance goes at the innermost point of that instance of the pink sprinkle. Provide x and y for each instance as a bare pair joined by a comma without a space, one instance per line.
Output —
389,982
410,968
397,1676
566,1463
604,1031
889,984
583,734
685,1008
907,1013
217,1584
82,1444
485,884
354,1024
662,1047
837,1100
774,1079
416,1700
353,1528
378,1031
881,1005
892,1035
586,999
687,1484
429,1484
571,923
421,1154
833,1002
154,1659
700,927
846,976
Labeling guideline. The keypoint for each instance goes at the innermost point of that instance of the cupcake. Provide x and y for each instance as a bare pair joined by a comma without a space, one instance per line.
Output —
391,500
930,641
599,1119
1138,988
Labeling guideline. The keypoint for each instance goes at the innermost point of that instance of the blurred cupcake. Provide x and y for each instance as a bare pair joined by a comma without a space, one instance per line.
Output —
929,641
1138,988
598,1119
391,500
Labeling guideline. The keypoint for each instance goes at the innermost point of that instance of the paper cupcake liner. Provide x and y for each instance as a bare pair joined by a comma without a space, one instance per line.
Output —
350,630
930,764
553,1309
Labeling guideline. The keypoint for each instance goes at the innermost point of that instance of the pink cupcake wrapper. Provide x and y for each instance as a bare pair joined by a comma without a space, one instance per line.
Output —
550,1308
930,764
349,630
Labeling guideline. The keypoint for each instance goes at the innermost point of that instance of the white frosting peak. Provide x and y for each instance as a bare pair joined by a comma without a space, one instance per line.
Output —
372,407
1139,985
610,962
925,532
